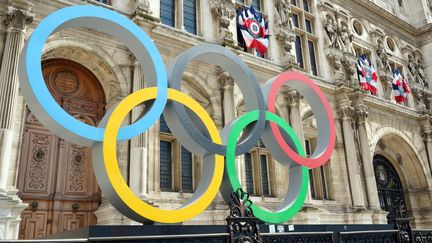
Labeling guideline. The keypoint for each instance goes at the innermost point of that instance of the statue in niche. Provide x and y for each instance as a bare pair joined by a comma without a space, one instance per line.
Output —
331,30
382,55
421,73
283,13
346,38
412,66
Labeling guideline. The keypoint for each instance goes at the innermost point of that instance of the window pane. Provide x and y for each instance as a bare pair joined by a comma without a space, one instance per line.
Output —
108,2
299,51
293,2
189,16
264,175
324,183
163,127
309,26
308,148
167,12
165,166
306,5
295,20
312,184
186,169
256,4
312,58
249,173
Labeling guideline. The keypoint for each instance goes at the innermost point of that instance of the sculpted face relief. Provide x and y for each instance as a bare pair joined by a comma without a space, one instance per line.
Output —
217,149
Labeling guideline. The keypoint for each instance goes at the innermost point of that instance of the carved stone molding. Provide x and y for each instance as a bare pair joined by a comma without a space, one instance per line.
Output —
226,80
17,19
345,112
293,97
224,12
142,9
418,98
361,113
426,126
335,58
386,78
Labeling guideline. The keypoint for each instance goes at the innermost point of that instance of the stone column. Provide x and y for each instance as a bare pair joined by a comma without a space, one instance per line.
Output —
16,23
138,154
292,98
10,205
345,115
427,137
361,114
229,114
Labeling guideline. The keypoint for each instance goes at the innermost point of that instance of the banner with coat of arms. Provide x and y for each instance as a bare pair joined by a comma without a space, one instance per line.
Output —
367,75
254,29
400,86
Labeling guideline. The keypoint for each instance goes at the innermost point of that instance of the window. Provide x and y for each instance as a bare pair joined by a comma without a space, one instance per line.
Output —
318,177
258,164
189,16
180,14
167,12
256,4
306,39
107,2
299,51
176,163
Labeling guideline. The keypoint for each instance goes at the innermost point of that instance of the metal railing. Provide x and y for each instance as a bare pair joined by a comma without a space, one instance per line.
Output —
422,236
369,236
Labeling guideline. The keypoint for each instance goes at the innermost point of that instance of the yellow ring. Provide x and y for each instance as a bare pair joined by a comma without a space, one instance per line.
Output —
119,184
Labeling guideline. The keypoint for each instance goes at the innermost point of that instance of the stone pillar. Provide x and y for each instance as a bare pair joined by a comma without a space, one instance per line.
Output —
292,99
16,22
10,205
427,137
345,115
138,154
361,114
229,114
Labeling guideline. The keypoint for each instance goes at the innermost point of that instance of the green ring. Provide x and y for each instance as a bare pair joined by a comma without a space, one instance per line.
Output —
265,215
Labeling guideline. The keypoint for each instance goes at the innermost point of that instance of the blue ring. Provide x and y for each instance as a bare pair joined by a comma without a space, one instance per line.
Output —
77,16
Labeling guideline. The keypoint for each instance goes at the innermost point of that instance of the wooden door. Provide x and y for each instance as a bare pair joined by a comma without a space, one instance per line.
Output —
56,177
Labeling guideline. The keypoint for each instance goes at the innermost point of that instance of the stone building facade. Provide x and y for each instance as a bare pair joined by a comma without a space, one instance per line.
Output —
383,150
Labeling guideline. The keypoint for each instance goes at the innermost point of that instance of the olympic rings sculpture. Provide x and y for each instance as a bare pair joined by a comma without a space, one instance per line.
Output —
217,149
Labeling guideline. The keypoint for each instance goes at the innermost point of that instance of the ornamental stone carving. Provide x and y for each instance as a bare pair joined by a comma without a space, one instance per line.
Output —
17,19
38,166
143,6
417,72
283,29
224,12
338,34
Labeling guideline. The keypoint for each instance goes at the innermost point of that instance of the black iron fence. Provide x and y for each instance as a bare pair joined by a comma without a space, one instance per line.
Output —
422,236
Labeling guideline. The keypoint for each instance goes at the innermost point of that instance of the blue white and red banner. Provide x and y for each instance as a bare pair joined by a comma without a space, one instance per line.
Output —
400,86
367,75
254,29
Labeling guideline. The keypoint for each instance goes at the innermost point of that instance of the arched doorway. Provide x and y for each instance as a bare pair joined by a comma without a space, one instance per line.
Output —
390,190
56,177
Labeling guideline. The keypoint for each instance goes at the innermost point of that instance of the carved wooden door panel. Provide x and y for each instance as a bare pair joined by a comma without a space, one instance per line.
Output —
56,177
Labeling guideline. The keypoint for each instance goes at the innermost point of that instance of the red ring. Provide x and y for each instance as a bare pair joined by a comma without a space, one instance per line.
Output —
311,162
